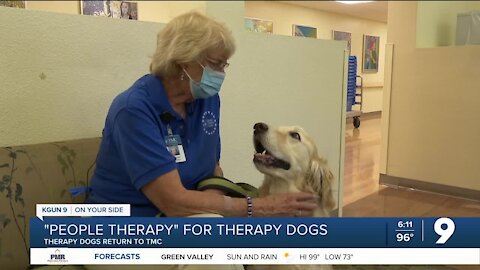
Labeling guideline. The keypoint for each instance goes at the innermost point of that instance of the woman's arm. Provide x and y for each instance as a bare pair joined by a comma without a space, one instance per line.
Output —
218,170
168,194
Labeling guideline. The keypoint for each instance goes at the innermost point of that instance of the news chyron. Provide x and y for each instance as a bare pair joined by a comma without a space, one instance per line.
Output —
83,234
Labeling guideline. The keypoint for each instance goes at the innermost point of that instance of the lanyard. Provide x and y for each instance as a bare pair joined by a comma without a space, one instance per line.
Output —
166,118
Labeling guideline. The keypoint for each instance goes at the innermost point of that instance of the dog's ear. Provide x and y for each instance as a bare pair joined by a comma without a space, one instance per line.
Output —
320,179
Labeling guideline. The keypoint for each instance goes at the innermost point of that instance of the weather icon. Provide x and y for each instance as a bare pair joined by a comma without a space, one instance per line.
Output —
289,258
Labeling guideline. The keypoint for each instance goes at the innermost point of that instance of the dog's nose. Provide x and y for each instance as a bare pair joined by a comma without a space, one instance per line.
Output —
260,128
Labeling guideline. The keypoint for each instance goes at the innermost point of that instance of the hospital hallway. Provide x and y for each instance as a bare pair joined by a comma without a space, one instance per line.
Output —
363,196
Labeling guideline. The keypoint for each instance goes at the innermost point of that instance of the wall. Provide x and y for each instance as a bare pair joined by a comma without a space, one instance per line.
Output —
58,76
433,127
164,11
437,21
284,15
261,87
68,7
64,71
149,11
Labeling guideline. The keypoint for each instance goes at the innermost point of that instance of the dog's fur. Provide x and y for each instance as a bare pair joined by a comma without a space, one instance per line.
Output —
307,171
288,158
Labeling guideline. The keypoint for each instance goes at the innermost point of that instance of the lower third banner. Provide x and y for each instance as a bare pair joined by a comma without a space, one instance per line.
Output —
127,240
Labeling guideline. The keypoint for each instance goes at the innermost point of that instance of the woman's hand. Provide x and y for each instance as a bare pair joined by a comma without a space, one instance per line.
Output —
288,205
169,195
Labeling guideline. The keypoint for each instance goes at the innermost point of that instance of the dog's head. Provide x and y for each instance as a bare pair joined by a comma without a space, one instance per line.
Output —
289,153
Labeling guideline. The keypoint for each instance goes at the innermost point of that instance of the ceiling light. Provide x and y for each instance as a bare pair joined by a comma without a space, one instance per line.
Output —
353,2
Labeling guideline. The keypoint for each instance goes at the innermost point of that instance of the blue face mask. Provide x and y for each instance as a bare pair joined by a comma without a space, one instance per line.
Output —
209,85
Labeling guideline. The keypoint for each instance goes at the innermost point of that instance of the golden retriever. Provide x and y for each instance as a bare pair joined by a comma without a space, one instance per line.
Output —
288,158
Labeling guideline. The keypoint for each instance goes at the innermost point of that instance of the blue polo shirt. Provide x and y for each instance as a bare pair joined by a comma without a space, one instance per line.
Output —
133,152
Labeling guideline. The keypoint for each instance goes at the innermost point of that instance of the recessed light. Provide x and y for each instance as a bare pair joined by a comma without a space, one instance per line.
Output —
353,2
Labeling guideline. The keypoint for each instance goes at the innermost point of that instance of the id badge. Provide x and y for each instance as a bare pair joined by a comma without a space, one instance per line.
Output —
174,146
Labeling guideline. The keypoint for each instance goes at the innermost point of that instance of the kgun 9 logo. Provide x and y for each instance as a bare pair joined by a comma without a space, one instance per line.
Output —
444,227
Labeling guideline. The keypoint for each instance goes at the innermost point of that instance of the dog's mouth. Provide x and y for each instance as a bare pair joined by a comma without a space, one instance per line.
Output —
265,158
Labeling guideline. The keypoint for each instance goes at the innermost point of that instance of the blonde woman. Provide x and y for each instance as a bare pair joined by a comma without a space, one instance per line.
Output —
177,104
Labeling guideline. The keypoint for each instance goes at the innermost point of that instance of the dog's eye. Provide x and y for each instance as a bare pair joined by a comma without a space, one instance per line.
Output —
295,135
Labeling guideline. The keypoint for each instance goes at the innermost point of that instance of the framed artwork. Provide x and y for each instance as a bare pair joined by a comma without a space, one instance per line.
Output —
128,10
339,35
14,4
304,31
114,9
258,25
370,54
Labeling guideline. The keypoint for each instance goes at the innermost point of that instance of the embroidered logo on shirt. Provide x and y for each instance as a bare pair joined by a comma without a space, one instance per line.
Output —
209,123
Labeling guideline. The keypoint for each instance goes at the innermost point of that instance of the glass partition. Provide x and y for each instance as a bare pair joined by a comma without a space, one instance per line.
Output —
448,23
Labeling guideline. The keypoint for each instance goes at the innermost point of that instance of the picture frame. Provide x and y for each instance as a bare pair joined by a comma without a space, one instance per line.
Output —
304,31
131,13
340,35
113,9
14,4
95,8
371,46
258,25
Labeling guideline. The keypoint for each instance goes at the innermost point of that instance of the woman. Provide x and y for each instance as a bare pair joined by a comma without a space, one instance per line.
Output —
177,105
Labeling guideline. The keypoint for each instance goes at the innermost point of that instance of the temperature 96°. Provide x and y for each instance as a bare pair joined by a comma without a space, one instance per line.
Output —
404,237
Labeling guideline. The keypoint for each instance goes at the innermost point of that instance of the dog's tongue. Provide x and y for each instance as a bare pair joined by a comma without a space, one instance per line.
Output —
271,161
264,158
